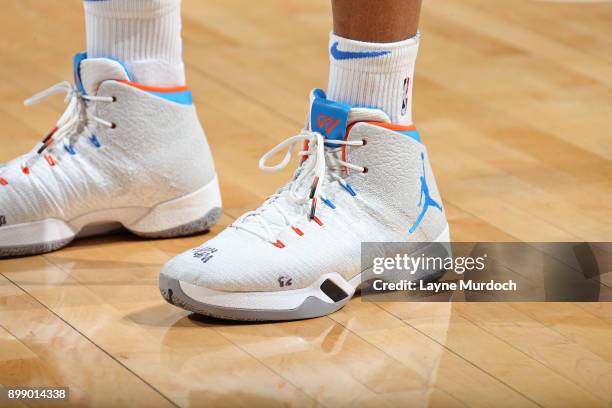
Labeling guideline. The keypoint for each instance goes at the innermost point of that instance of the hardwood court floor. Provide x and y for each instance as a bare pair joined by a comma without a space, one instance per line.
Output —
514,100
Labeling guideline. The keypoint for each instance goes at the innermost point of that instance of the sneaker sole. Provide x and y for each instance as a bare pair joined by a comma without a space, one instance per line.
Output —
327,295
174,218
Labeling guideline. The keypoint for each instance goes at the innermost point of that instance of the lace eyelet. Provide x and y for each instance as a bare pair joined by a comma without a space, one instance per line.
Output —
113,125
364,141
114,99
365,170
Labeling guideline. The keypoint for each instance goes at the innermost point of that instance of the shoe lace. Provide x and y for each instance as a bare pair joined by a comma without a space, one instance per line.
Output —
320,167
78,118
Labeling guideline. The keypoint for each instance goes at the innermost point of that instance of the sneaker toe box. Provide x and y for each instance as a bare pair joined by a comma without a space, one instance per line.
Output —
239,261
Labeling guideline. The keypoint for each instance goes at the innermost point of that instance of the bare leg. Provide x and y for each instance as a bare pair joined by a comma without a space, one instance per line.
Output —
376,20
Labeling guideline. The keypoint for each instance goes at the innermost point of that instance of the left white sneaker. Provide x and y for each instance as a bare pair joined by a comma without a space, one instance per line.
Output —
297,256
122,152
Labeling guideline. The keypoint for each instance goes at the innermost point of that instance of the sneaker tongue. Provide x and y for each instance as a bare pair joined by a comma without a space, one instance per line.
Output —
331,119
89,73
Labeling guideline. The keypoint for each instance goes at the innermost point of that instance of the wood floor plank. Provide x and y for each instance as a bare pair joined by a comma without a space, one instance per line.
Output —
586,329
45,351
519,371
118,307
363,374
569,359
437,364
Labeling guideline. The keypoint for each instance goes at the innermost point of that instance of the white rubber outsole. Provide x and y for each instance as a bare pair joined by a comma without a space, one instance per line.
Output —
189,214
327,295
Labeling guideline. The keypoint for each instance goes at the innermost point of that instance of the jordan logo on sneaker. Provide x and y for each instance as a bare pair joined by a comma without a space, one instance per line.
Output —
343,55
424,199
2,220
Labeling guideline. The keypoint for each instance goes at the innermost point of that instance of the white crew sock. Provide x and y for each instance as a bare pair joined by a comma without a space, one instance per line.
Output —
144,34
377,75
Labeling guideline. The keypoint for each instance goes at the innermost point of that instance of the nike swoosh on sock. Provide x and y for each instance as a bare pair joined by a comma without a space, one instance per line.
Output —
342,55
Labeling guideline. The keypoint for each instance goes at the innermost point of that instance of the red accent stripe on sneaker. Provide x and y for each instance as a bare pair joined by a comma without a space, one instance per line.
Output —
304,148
155,88
317,220
392,126
297,231
25,170
3,182
50,160
279,244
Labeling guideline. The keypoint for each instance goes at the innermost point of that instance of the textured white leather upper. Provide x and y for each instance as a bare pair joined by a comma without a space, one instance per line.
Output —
392,185
157,152
386,205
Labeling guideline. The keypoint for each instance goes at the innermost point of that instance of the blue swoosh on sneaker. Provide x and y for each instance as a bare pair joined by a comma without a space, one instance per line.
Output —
342,55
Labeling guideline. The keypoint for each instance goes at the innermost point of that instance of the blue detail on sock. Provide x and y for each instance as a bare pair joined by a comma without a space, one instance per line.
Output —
348,188
344,55
425,199
411,133
328,117
70,149
182,97
329,203
94,140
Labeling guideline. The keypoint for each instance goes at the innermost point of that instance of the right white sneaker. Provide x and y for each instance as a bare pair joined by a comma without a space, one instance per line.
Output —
297,256
122,152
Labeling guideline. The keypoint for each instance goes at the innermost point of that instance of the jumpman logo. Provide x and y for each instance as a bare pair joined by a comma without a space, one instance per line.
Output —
425,199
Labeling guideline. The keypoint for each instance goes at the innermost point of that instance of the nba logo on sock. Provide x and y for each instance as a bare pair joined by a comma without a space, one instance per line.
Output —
2,220
405,100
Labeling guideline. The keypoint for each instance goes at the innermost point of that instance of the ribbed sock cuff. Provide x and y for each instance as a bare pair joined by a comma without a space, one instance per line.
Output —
144,34
373,74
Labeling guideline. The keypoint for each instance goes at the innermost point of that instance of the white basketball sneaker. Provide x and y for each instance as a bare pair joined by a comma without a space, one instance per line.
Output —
361,178
122,152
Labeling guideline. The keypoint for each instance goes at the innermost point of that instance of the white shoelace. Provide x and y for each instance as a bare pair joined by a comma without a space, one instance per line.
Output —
322,169
76,119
